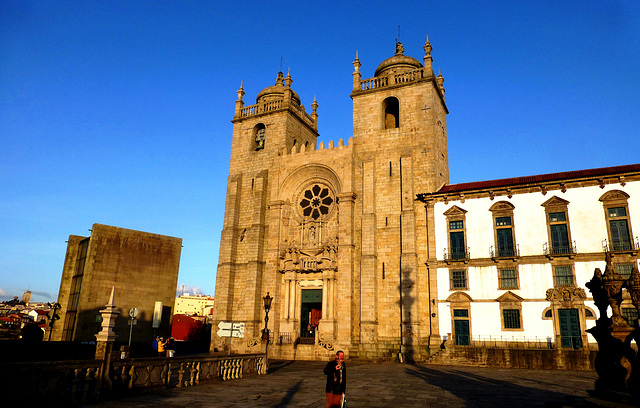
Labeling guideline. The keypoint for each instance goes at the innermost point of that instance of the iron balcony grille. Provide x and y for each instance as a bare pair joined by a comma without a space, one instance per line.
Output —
458,253
565,249
620,245
507,252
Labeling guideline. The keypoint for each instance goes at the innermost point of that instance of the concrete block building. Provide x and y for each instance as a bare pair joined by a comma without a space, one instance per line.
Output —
142,266
348,238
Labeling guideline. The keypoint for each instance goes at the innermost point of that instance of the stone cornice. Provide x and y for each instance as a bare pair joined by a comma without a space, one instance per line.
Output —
519,185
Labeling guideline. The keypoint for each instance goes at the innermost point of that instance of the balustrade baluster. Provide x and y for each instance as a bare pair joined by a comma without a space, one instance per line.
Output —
180,375
132,376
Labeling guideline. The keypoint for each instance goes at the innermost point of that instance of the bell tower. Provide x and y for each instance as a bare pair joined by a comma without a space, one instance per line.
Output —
400,149
402,109
262,133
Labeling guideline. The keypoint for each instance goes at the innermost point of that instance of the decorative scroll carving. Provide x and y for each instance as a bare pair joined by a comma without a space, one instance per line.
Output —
324,343
566,294
254,341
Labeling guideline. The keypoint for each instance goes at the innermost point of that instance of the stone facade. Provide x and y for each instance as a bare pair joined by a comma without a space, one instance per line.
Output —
333,234
349,239
142,267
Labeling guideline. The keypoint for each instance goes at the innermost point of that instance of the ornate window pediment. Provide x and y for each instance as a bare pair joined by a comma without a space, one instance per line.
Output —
459,297
455,210
502,206
555,201
614,195
509,297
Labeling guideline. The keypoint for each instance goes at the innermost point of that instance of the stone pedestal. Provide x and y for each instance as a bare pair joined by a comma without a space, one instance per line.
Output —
617,363
105,338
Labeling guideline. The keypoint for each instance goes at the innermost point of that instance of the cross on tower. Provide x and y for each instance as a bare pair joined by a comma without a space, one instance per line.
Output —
426,108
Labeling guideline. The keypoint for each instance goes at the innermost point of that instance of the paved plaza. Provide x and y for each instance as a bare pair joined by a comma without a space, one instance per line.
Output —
301,384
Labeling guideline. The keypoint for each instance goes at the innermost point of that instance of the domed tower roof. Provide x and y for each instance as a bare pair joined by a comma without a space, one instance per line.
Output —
276,92
398,63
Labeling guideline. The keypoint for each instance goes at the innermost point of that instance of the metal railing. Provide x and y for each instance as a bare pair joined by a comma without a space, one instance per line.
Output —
620,245
504,252
283,338
567,249
458,253
513,342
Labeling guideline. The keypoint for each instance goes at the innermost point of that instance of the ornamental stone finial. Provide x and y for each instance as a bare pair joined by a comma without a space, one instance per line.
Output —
440,80
428,61
288,80
427,47
280,79
399,48
356,63
356,73
314,112
240,91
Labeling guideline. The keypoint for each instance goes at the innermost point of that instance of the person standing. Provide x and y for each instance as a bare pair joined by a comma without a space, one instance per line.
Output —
170,346
336,373
161,344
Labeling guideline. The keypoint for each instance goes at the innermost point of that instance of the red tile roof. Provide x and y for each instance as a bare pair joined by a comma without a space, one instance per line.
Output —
542,178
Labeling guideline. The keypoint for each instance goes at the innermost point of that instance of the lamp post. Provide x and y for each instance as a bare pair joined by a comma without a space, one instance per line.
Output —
53,307
265,332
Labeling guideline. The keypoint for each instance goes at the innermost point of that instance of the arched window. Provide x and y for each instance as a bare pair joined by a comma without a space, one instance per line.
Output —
259,131
391,108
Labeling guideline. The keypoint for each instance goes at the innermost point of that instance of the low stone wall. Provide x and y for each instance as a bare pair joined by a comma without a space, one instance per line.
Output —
551,359
70,383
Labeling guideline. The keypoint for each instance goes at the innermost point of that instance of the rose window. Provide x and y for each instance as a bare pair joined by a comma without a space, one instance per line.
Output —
316,202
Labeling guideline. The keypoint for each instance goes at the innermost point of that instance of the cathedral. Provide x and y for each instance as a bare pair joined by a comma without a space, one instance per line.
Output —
365,247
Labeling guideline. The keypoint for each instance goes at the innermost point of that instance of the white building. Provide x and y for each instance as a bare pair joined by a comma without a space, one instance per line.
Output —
193,305
513,255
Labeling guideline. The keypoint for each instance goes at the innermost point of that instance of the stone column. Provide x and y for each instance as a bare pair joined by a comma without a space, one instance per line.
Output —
285,309
343,294
292,300
369,261
325,310
106,337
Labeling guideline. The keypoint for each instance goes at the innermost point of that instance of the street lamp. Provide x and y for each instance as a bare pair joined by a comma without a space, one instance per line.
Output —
53,316
265,333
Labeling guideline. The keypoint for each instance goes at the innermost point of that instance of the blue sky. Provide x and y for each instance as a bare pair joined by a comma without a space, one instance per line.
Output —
119,113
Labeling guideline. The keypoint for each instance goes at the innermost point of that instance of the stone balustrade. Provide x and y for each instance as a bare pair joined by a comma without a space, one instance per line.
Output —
265,107
394,79
261,108
71,383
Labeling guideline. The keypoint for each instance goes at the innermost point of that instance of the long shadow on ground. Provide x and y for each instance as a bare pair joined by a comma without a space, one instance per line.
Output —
480,391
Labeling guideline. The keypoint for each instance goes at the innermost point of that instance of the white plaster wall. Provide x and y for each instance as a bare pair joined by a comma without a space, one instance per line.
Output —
444,311
588,228
585,211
